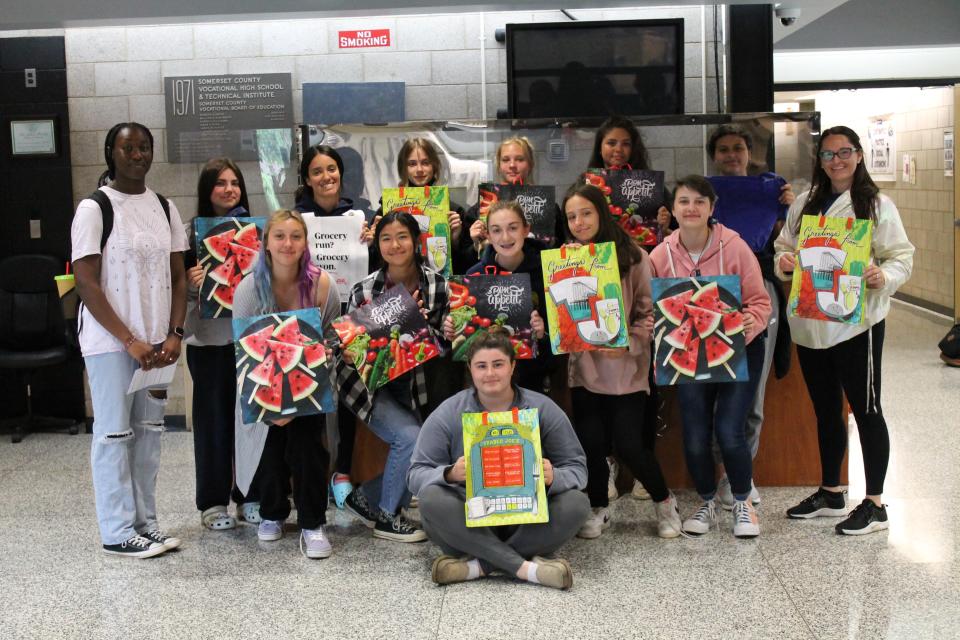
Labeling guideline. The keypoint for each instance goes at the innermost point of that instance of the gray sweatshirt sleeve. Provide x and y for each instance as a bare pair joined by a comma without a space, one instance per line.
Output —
245,298
560,445
434,453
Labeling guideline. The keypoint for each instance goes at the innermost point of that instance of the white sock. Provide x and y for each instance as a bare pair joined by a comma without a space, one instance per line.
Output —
473,569
532,573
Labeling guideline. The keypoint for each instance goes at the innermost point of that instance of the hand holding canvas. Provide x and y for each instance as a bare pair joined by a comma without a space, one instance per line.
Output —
456,225
536,325
874,276
195,276
547,472
457,473
788,262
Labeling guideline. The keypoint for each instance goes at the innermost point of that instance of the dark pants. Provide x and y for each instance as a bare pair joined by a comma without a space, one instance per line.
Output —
603,420
444,379
842,369
347,426
214,392
295,451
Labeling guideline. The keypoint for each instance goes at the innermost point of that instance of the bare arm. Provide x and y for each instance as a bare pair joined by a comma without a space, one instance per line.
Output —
170,351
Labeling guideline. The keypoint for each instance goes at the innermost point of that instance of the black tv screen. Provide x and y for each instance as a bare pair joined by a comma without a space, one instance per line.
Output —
630,67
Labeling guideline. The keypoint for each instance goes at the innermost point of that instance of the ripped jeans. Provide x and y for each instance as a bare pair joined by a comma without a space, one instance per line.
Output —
125,453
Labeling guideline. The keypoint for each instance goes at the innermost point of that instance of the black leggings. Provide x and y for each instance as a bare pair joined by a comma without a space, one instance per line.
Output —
296,452
603,420
842,369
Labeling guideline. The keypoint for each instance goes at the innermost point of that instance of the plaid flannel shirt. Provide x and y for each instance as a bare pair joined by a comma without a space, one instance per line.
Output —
433,291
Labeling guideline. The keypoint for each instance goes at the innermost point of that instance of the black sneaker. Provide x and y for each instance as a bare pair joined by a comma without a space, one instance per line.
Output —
135,547
866,518
356,505
397,528
821,503
168,542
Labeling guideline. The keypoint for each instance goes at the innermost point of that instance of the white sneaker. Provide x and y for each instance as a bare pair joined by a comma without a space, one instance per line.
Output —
702,520
270,530
595,524
725,493
314,543
746,524
668,517
612,492
639,492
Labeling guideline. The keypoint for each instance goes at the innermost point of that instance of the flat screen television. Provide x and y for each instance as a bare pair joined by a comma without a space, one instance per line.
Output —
569,69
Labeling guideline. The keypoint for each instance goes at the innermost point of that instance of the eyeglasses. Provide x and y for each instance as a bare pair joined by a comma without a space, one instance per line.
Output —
844,153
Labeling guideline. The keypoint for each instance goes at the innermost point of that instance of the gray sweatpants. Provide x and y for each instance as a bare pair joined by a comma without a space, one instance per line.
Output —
505,548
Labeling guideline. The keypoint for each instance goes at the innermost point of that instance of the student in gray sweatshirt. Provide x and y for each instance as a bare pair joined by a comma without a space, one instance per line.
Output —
437,476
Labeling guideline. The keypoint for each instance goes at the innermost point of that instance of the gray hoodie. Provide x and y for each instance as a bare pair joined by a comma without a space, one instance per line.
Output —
440,443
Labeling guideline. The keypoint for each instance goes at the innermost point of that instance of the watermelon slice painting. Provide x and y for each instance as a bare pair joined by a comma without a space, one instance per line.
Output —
227,249
280,362
698,330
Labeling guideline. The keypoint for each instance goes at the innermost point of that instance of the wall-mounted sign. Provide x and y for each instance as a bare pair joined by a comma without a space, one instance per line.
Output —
33,137
210,116
363,39
882,151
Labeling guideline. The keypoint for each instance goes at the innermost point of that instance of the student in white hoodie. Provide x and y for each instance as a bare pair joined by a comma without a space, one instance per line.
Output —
840,359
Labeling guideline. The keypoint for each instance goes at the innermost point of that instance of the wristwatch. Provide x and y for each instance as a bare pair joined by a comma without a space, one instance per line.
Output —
177,331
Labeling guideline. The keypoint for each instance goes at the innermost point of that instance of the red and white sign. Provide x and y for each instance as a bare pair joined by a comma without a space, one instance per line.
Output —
363,39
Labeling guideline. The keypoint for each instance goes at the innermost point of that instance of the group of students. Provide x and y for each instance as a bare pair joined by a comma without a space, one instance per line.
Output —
139,303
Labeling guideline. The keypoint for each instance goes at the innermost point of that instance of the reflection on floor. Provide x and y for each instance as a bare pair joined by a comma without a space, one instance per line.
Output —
798,580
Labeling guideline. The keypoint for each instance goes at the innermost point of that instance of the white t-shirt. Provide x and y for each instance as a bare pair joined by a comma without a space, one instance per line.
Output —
135,266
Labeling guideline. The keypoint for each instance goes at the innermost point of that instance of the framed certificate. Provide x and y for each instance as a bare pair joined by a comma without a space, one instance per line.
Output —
35,137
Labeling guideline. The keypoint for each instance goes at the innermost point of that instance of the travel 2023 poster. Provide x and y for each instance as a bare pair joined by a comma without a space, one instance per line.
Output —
227,249
584,298
281,366
480,302
828,283
538,203
698,330
504,465
430,206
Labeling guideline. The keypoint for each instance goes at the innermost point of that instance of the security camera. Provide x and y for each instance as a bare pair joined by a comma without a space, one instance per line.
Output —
788,17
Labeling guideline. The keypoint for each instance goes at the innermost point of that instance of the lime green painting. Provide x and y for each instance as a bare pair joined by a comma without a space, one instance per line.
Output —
429,206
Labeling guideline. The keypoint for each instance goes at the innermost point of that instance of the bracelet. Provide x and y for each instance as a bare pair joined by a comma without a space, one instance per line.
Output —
129,342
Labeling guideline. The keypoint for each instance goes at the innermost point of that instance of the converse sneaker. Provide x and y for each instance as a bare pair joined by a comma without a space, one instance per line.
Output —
612,492
135,547
639,492
866,518
217,519
820,503
356,505
314,543
397,528
668,517
702,520
746,524
725,493
270,530
249,512
553,572
158,536
595,524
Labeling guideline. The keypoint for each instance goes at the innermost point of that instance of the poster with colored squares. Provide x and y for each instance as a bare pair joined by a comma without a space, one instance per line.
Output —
504,465
387,337
828,283
538,204
698,330
634,197
227,249
585,309
430,206
480,302
281,366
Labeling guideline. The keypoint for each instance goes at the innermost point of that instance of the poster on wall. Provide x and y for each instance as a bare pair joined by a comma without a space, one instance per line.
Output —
948,153
882,148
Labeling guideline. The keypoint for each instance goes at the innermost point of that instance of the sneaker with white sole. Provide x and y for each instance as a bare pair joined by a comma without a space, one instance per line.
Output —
639,492
270,530
217,519
612,492
314,543
865,518
668,517
595,524
158,536
249,512
356,505
746,524
819,504
702,520
135,547
725,493
397,528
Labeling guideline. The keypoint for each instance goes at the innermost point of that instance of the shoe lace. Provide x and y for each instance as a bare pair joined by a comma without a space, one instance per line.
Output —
140,542
402,525
706,513
315,535
741,513
862,510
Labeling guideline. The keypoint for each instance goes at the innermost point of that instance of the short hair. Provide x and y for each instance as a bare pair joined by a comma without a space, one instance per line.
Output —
727,130
699,184
111,139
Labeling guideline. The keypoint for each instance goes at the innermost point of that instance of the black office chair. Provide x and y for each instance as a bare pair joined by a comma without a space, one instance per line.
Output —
33,333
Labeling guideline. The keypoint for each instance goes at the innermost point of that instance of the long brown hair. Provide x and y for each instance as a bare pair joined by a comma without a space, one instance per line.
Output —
208,180
428,150
628,253
638,151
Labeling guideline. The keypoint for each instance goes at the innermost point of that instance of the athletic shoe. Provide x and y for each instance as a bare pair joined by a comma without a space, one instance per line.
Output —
595,524
612,492
249,512
553,572
397,528
746,524
866,518
450,569
158,536
340,488
356,505
820,503
725,494
270,530
668,517
314,543
135,547
639,492
702,520
217,519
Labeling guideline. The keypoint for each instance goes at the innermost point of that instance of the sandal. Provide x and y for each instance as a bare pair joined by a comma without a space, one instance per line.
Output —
340,488
249,512
217,519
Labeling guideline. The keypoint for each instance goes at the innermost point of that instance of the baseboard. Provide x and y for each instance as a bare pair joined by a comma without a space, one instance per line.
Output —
938,313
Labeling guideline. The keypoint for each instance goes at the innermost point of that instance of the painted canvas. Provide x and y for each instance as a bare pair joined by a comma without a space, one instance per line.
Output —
698,330
430,206
585,308
828,284
538,204
482,301
634,197
281,366
227,249
504,469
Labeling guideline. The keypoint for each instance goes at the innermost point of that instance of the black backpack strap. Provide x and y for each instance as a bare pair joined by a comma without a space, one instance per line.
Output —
106,213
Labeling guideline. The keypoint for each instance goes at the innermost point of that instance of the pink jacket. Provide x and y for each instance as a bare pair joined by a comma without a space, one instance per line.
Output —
726,254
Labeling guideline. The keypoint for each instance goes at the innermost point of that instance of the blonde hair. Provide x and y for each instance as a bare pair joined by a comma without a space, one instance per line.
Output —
521,141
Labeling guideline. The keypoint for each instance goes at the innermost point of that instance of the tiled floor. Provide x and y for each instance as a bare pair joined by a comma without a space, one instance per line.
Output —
798,580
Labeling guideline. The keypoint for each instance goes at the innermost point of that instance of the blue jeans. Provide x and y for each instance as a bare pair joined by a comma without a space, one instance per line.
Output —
398,426
125,453
720,408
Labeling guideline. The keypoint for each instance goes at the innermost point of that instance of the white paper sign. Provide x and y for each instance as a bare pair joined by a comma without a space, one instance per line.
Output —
335,246
882,149
159,378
